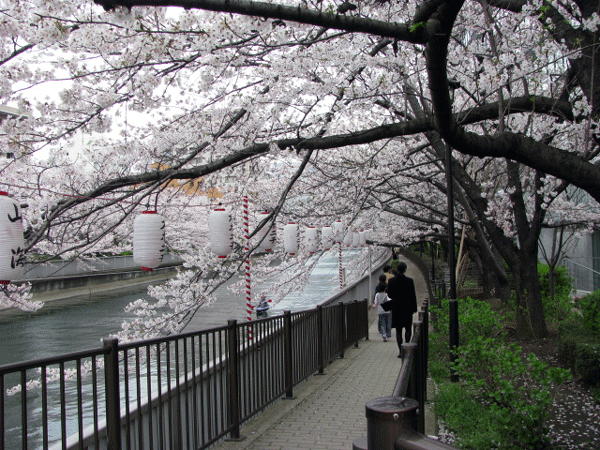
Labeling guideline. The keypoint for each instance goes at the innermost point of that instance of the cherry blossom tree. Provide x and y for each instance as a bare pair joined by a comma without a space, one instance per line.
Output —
215,93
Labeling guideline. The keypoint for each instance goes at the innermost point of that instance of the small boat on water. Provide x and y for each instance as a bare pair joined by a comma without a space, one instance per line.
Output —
262,308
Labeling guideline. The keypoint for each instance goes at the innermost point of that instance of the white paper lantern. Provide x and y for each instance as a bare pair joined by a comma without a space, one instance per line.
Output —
326,237
362,238
355,239
348,238
12,241
290,238
338,231
148,240
266,244
311,239
220,231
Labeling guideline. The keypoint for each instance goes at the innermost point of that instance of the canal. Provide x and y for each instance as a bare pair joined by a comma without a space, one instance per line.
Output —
83,325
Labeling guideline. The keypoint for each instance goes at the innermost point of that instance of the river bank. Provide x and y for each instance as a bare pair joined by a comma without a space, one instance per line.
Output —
69,291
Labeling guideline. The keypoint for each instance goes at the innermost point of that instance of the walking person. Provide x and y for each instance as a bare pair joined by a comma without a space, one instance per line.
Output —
387,271
385,318
401,290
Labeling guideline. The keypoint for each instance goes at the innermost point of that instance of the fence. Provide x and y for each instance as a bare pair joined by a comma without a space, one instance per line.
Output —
398,422
585,279
183,391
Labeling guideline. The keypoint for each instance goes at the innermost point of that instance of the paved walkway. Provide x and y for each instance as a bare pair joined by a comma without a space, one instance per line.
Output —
329,410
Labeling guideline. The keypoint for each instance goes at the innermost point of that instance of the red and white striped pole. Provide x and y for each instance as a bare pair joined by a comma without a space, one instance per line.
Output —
249,306
340,265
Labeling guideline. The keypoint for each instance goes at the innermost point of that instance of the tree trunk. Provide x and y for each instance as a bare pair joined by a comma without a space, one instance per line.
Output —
531,321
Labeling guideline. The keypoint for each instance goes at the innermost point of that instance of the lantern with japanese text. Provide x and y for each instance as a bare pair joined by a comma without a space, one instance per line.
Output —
266,237
311,239
327,237
220,229
290,238
355,239
12,241
148,240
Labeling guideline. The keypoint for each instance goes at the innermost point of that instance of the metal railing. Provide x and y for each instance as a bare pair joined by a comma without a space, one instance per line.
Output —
182,391
398,422
585,279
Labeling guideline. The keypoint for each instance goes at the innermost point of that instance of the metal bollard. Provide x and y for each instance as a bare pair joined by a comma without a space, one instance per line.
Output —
387,419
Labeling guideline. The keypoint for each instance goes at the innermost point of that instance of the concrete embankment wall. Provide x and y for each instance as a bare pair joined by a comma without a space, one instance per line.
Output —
65,291
64,287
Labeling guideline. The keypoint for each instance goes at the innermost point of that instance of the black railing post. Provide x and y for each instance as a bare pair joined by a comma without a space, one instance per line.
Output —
289,361
424,344
426,334
387,419
409,353
342,329
113,397
356,331
233,392
320,341
420,381
365,318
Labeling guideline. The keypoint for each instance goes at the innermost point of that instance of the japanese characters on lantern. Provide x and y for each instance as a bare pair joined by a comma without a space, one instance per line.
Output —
311,239
12,241
266,237
148,240
326,237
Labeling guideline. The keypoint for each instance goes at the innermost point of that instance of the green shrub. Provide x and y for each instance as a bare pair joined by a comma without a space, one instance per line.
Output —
580,350
590,310
503,398
517,390
476,318
587,363
471,422
556,308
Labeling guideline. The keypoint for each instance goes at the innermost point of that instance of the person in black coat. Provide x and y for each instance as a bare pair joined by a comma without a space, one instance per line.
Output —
401,289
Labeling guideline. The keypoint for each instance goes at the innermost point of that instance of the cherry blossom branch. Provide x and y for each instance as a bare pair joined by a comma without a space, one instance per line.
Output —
298,14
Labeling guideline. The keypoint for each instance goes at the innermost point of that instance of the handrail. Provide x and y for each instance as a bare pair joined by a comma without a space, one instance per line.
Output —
183,391
585,279
398,422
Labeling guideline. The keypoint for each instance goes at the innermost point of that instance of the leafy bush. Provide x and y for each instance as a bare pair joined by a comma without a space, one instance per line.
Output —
579,348
472,423
503,397
590,310
517,390
559,307
476,318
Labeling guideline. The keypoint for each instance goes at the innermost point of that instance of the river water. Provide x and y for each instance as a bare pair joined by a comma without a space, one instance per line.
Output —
82,326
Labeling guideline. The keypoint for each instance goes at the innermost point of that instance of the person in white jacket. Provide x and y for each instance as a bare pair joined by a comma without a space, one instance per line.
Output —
385,318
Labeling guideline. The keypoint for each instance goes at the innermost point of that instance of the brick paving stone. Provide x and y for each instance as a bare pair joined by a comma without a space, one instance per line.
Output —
329,410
